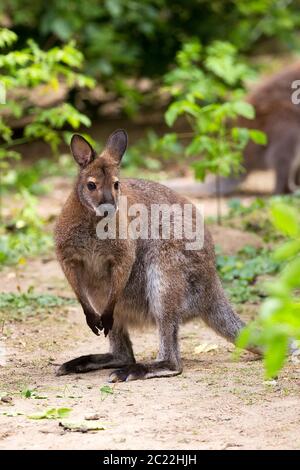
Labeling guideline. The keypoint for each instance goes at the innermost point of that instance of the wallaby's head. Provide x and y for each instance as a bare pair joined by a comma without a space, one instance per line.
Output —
98,180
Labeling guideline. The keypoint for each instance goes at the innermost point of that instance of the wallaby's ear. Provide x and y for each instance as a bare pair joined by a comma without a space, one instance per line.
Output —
116,145
82,150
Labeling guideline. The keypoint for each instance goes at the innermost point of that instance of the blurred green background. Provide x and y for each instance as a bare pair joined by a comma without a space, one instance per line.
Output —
113,61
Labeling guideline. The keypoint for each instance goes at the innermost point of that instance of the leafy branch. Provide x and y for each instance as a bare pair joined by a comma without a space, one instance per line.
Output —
207,89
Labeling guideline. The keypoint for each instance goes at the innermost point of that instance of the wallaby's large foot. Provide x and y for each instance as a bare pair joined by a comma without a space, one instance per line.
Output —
145,371
92,362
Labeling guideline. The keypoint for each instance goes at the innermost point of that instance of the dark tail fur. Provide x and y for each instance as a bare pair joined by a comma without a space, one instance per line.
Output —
221,317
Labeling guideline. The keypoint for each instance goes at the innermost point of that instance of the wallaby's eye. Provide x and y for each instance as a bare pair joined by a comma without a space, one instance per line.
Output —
116,185
91,186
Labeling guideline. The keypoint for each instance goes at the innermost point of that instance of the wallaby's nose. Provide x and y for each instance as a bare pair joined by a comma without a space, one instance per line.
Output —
108,198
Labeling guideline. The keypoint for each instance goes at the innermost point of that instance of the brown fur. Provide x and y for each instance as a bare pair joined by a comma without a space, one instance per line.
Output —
128,282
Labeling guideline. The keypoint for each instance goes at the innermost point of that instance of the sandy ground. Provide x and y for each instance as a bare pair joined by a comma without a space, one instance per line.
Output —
217,403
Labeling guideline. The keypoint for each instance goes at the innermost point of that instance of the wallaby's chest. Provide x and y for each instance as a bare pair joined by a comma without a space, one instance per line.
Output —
95,255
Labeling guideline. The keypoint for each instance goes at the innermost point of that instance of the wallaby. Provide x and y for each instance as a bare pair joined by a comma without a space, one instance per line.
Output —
279,117
123,282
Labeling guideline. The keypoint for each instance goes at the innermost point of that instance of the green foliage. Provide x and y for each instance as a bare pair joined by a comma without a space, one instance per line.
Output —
26,242
32,393
114,34
31,71
27,73
121,39
27,393
24,234
207,89
240,273
236,208
31,178
255,217
285,219
105,391
151,152
52,413
23,305
279,320
7,37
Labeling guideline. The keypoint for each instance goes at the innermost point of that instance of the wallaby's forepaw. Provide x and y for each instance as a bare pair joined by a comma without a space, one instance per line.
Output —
95,323
98,323
107,320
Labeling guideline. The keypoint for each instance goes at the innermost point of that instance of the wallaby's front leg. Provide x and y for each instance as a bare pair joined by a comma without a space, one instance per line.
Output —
74,274
120,355
168,361
119,276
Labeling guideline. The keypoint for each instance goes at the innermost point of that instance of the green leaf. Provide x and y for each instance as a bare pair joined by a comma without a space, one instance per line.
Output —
285,219
181,107
172,114
275,354
52,413
244,338
258,137
107,390
7,37
244,109
200,144
291,274
27,393
63,412
287,250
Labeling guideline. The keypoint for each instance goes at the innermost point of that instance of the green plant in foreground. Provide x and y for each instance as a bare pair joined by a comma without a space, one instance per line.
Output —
278,323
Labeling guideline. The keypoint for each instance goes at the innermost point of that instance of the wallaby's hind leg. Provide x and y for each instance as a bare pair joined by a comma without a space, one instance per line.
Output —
280,155
121,354
168,361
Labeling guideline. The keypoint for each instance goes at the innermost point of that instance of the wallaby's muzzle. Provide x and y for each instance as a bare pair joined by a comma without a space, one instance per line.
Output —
108,197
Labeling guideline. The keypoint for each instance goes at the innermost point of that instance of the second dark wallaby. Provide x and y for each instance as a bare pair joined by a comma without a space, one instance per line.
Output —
278,116
124,282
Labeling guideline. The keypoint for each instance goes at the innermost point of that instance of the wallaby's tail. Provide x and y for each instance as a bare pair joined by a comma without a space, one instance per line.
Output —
222,319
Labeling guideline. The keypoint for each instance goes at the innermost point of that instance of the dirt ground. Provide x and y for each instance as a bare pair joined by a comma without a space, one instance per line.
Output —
217,403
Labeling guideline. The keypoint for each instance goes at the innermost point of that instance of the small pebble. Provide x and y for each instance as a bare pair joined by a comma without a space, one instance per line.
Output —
6,399
94,417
